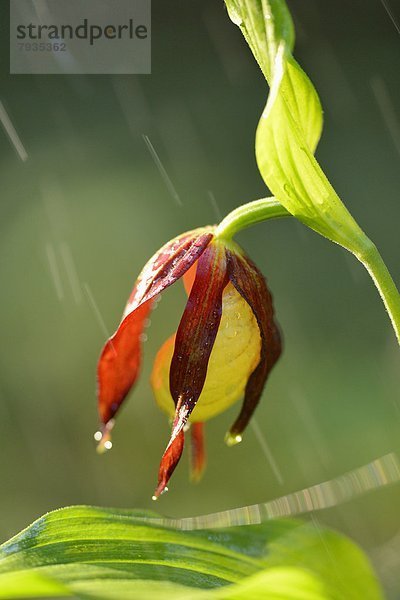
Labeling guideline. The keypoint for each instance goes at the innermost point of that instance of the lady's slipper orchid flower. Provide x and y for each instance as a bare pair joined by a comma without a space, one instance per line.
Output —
225,346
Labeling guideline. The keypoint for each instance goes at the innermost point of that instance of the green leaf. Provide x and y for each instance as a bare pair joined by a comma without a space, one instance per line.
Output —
290,127
115,554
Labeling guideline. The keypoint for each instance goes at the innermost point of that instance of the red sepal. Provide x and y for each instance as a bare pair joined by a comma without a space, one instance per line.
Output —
196,333
250,283
169,461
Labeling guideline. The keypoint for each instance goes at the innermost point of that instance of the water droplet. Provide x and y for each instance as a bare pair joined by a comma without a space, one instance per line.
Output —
287,189
232,440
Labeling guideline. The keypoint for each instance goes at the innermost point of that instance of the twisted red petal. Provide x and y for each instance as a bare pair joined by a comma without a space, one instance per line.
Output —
196,333
169,461
250,283
120,359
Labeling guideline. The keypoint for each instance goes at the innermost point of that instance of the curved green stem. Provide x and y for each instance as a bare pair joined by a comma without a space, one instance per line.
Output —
250,214
269,208
373,262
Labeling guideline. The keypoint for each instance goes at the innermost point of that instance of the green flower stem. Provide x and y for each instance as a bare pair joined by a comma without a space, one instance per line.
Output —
250,214
373,262
269,208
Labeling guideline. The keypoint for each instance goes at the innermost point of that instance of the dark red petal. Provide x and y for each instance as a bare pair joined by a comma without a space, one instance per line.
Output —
120,359
250,283
167,266
170,459
198,453
196,333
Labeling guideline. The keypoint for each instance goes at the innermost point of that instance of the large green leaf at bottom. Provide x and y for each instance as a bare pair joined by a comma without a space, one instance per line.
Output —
115,554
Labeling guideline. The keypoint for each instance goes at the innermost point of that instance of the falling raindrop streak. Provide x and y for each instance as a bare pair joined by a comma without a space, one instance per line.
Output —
97,313
163,172
215,206
386,6
72,273
12,134
265,448
54,271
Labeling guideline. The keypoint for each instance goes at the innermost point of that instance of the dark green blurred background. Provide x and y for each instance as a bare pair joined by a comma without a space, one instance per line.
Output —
82,215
